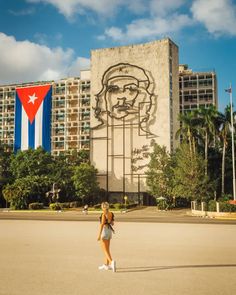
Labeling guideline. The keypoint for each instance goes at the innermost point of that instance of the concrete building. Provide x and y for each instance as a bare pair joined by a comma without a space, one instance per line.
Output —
134,99
70,113
7,114
196,89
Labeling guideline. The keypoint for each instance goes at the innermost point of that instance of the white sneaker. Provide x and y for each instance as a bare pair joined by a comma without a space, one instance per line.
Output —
113,266
109,267
103,267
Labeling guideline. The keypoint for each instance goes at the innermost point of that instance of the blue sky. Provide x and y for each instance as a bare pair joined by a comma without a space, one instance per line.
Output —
51,39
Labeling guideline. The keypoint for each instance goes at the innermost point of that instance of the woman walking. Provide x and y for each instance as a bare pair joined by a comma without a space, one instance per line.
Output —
105,235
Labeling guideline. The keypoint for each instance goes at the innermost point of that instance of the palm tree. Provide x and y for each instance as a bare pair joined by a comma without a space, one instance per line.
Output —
188,129
224,132
207,124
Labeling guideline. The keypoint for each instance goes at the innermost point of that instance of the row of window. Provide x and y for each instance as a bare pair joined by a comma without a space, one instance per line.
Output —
195,77
195,84
192,98
194,106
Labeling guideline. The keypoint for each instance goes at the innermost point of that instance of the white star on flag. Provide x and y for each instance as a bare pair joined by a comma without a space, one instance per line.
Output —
32,98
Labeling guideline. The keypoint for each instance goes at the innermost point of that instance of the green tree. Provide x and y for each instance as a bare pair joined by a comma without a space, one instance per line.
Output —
85,182
61,175
31,162
188,129
26,190
207,128
75,158
5,175
32,175
159,172
189,179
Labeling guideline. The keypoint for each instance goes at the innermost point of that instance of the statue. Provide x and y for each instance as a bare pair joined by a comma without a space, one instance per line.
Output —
53,195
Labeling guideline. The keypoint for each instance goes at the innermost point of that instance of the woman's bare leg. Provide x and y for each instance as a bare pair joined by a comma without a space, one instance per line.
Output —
108,248
105,247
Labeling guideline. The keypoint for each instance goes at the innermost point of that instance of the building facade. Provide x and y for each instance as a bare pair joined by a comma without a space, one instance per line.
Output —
70,113
196,89
134,99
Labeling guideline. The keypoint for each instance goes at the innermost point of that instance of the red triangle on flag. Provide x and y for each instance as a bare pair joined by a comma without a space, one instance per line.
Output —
31,99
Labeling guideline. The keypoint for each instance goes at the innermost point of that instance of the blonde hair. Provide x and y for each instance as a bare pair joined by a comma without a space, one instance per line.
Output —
105,205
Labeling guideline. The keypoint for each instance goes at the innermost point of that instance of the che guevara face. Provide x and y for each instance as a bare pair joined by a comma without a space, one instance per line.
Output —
121,97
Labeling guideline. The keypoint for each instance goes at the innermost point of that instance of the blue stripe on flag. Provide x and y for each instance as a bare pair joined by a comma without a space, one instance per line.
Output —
18,118
47,106
31,134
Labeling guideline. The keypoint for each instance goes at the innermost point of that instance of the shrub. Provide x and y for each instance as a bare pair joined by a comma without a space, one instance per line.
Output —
182,202
97,206
225,198
55,206
36,206
74,204
211,206
226,207
65,205
119,206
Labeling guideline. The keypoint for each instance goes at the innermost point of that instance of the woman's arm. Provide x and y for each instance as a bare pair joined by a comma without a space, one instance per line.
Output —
111,218
101,226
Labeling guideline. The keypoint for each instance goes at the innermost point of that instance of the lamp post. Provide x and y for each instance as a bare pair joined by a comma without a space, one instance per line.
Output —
232,137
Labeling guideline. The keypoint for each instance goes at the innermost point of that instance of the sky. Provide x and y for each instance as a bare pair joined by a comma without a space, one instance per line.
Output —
52,39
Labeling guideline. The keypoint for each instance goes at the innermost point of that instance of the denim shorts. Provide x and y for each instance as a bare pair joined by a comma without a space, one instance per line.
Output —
106,233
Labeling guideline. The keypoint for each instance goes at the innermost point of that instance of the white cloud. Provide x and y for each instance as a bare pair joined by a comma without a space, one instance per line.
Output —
24,61
137,6
101,37
79,64
44,39
69,8
41,38
23,12
162,8
218,16
149,28
115,33
164,19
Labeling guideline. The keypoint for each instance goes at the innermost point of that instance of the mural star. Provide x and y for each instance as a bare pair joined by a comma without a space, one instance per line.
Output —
32,98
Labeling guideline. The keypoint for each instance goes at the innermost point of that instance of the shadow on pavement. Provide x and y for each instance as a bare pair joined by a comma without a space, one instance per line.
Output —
154,268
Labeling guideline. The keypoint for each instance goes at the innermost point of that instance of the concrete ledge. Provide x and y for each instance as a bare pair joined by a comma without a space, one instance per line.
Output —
212,214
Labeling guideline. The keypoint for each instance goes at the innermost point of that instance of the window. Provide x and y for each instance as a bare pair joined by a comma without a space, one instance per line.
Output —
190,84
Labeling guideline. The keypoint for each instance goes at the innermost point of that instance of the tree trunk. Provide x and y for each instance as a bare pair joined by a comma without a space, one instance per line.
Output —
206,152
190,142
194,146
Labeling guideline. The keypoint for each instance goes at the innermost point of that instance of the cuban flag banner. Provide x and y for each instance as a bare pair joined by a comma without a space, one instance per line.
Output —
33,117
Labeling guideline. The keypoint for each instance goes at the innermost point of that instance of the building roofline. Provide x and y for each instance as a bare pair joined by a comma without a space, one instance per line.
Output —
136,44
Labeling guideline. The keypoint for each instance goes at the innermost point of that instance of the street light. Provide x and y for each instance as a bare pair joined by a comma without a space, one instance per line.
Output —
232,138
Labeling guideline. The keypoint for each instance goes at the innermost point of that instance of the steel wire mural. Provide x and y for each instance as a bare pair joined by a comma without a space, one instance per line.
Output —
125,95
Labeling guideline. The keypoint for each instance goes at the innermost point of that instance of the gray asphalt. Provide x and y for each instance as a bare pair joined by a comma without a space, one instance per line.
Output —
148,214
60,258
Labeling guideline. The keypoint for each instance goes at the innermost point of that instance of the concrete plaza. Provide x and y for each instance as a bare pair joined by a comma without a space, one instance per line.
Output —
62,257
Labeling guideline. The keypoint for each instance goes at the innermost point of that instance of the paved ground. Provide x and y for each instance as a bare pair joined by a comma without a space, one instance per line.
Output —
60,258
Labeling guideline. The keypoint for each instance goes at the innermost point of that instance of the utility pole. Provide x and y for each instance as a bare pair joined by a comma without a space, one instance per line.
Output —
232,136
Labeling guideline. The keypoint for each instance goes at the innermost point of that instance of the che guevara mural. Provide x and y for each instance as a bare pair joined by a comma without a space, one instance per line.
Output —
124,109
125,95
130,107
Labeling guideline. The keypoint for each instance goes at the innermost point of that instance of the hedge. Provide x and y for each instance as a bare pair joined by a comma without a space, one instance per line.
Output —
36,206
